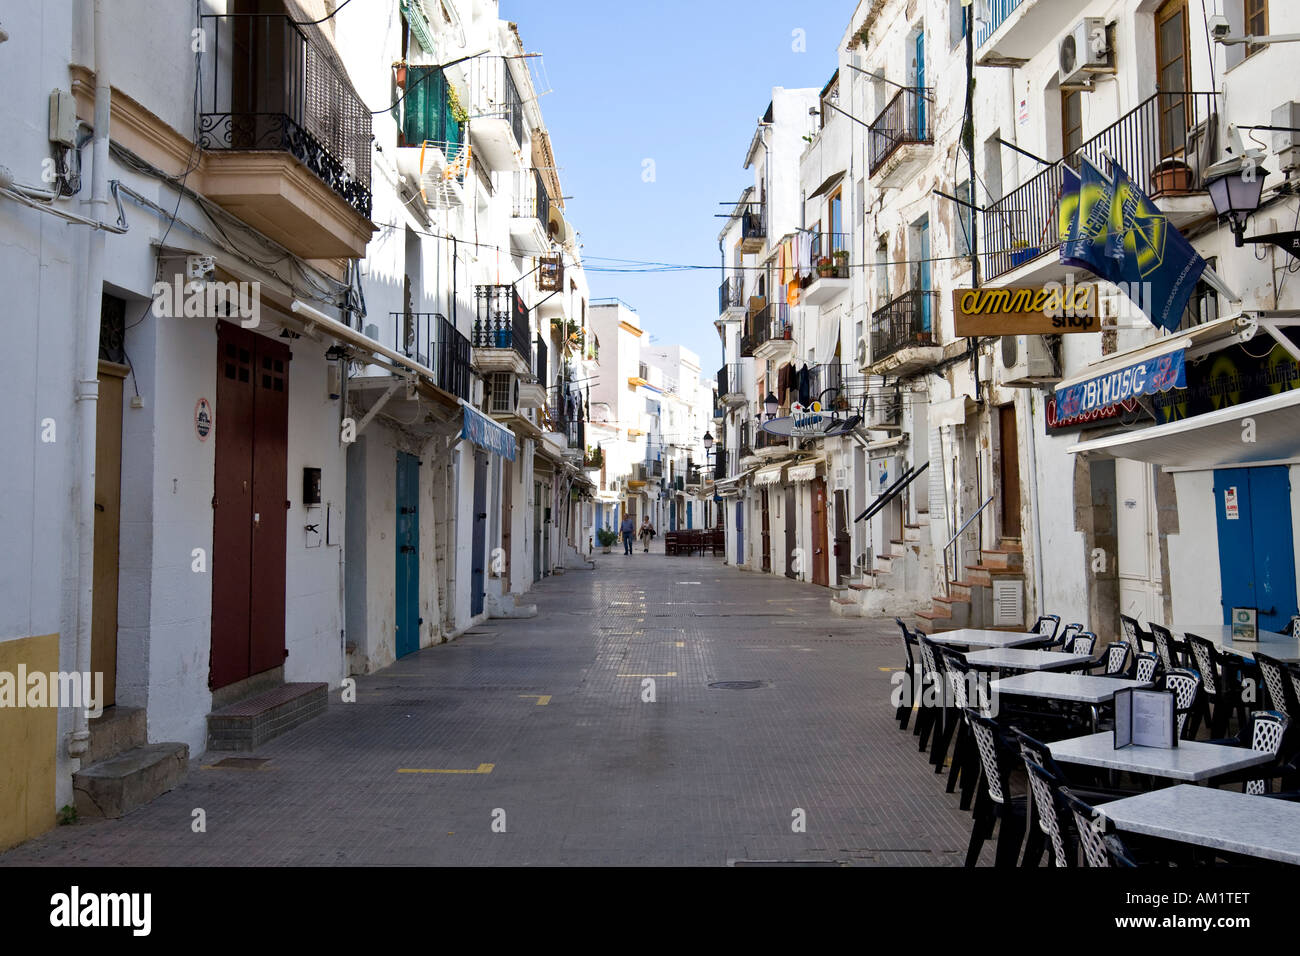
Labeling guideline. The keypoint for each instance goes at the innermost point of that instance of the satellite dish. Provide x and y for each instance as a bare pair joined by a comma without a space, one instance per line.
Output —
556,227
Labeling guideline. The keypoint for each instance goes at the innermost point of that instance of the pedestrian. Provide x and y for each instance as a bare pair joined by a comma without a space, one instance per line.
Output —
646,533
628,528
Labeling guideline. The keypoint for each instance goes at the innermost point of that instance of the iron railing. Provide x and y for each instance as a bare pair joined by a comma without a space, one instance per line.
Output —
730,379
1164,145
906,119
531,198
431,340
539,361
998,11
834,248
272,85
910,319
566,411
501,320
769,323
495,95
654,468
719,463
768,440
731,294
753,221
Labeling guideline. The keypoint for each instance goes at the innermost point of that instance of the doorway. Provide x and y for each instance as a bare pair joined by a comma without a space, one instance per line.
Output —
767,536
478,552
1256,546
821,563
507,521
1173,75
740,532
791,540
1141,588
249,507
1009,459
407,598
108,518
843,542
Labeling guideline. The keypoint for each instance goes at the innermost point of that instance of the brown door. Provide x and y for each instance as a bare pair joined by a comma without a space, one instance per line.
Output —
1010,464
821,564
767,536
1173,76
507,519
249,505
843,544
108,512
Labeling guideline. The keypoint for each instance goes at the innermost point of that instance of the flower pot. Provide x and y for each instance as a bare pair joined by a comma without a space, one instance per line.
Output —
826,272
1172,177
502,337
399,74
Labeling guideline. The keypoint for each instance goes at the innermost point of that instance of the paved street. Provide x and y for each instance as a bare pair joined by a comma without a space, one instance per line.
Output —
549,711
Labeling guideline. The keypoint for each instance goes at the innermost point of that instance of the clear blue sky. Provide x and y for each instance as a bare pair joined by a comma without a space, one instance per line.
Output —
682,83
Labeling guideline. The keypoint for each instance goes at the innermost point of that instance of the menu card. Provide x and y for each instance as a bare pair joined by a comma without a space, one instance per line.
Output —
1145,718
1245,625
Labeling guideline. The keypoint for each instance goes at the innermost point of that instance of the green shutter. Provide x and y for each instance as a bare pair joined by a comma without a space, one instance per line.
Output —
419,25
427,116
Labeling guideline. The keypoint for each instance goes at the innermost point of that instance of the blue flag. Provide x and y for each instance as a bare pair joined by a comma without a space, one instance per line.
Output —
1084,221
1159,265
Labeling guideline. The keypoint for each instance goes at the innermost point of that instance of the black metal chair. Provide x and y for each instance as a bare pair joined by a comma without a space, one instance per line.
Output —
1219,681
1047,625
1115,660
1066,636
1137,638
1186,687
1091,827
1048,813
903,713
1167,647
1264,733
928,715
1145,666
995,805
1273,674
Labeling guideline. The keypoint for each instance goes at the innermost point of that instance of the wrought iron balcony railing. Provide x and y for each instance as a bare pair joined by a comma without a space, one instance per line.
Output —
905,120
495,95
719,463
909,320
501,320
1161,144
730,294
830,254
431,340
531,198
753,222
770,323
998,11
270,84
539,361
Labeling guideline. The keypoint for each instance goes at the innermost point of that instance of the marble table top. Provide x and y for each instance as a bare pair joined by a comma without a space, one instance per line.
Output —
975,637
1018,658
1190,760
1073,687
1279,646
1218,819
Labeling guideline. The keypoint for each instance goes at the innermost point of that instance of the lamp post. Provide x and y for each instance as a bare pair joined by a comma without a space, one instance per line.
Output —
1236,187
771,405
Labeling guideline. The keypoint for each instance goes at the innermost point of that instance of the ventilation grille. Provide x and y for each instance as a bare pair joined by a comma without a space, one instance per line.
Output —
1008,603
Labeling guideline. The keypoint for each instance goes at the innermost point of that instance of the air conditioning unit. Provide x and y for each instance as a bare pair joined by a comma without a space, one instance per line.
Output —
883,410
1286,141
1026,361
1083,51
862,355
502,393
840,479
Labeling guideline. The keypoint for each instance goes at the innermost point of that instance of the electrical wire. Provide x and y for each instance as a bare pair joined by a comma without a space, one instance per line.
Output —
312,23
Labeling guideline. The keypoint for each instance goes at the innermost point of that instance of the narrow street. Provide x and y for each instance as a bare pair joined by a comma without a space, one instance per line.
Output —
549,711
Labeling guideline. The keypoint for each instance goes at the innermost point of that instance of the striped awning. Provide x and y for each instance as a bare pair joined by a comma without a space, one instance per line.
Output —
805,470
768,476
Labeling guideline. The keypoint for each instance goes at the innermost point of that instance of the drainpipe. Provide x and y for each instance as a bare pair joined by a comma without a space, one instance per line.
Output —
87,396
1033,500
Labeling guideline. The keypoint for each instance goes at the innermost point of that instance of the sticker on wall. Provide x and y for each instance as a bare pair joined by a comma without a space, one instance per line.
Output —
1230,510
203,418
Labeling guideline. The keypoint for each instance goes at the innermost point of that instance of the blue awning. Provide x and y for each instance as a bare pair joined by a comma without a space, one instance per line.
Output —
1158,373
486,433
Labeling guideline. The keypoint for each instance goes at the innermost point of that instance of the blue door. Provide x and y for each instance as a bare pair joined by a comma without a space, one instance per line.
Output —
689,524
918,81
407,599
672,515
923,275
740,533
1256,548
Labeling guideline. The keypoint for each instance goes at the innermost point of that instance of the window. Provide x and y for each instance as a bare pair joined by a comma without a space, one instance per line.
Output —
957,14
964,227
835,218
1173,75
1203,306
1071,122
1256,23
429,114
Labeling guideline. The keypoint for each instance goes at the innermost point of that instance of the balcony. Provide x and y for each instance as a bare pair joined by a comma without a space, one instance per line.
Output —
531,219
904,334
753,228
837,386
565,412
532,389
496,113
501,333
287,138
830,256
772,333
719,463
731,385
731,297
428,338
1158,143
900,139
1017,30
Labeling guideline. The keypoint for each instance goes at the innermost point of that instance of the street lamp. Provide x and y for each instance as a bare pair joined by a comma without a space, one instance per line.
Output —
771,405
1236,187
708,442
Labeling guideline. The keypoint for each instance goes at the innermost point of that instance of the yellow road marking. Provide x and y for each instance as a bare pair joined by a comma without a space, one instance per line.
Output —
678,643
542,699
888,669
669,674
482,768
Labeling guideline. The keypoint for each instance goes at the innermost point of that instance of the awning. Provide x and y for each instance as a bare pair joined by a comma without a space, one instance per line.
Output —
831,182
1212,440
886,443
732,482
805,470
1148,376
486,433
768,476
1197,336
951,412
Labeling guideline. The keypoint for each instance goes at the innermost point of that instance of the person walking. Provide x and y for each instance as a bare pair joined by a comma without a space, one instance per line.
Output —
646,533
628,528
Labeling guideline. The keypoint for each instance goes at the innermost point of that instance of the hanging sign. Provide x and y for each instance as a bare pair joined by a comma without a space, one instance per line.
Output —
1053,309
1155,375
810,422
203,418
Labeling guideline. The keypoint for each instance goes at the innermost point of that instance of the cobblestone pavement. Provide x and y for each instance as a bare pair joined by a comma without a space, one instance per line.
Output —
571,759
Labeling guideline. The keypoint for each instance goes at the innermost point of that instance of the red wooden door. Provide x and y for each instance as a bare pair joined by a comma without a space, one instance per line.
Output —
249,519
821,566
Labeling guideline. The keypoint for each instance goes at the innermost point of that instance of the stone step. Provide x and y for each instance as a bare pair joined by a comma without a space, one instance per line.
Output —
958,611
960,589
846,607
114,787
249,723
1003,558
117,730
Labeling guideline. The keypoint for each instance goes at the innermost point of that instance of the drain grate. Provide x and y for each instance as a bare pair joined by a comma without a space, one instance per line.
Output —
736,684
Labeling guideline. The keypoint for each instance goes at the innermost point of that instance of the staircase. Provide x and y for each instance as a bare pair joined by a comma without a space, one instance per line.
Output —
970,599
121,770
897,581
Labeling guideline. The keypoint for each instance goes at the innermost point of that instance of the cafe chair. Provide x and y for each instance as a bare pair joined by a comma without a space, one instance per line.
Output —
1186,687
1118,852
1274,680
1064,639
931,683
1049,814
1145,665
1091,835
1047,625
1114,660
1221,678
1166,647
1293,628
965,760
1137,638
995,805
1263,734
904,712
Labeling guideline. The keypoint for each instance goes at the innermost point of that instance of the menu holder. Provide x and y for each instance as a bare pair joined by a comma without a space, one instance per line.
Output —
1145,718
1245,625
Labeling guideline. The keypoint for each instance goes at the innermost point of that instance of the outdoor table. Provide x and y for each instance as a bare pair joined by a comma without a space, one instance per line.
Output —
1020,659
1074,688
1190,760
1218,819
1282,647
975,637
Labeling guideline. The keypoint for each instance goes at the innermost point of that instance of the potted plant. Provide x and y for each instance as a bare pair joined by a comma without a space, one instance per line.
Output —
1171,177
842,263
399,73
606,537
825,267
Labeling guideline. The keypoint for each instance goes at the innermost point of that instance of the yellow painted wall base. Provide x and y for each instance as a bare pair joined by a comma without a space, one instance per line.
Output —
28,739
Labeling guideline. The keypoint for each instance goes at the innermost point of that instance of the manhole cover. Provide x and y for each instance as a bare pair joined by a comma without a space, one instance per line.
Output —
241,763
736,684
